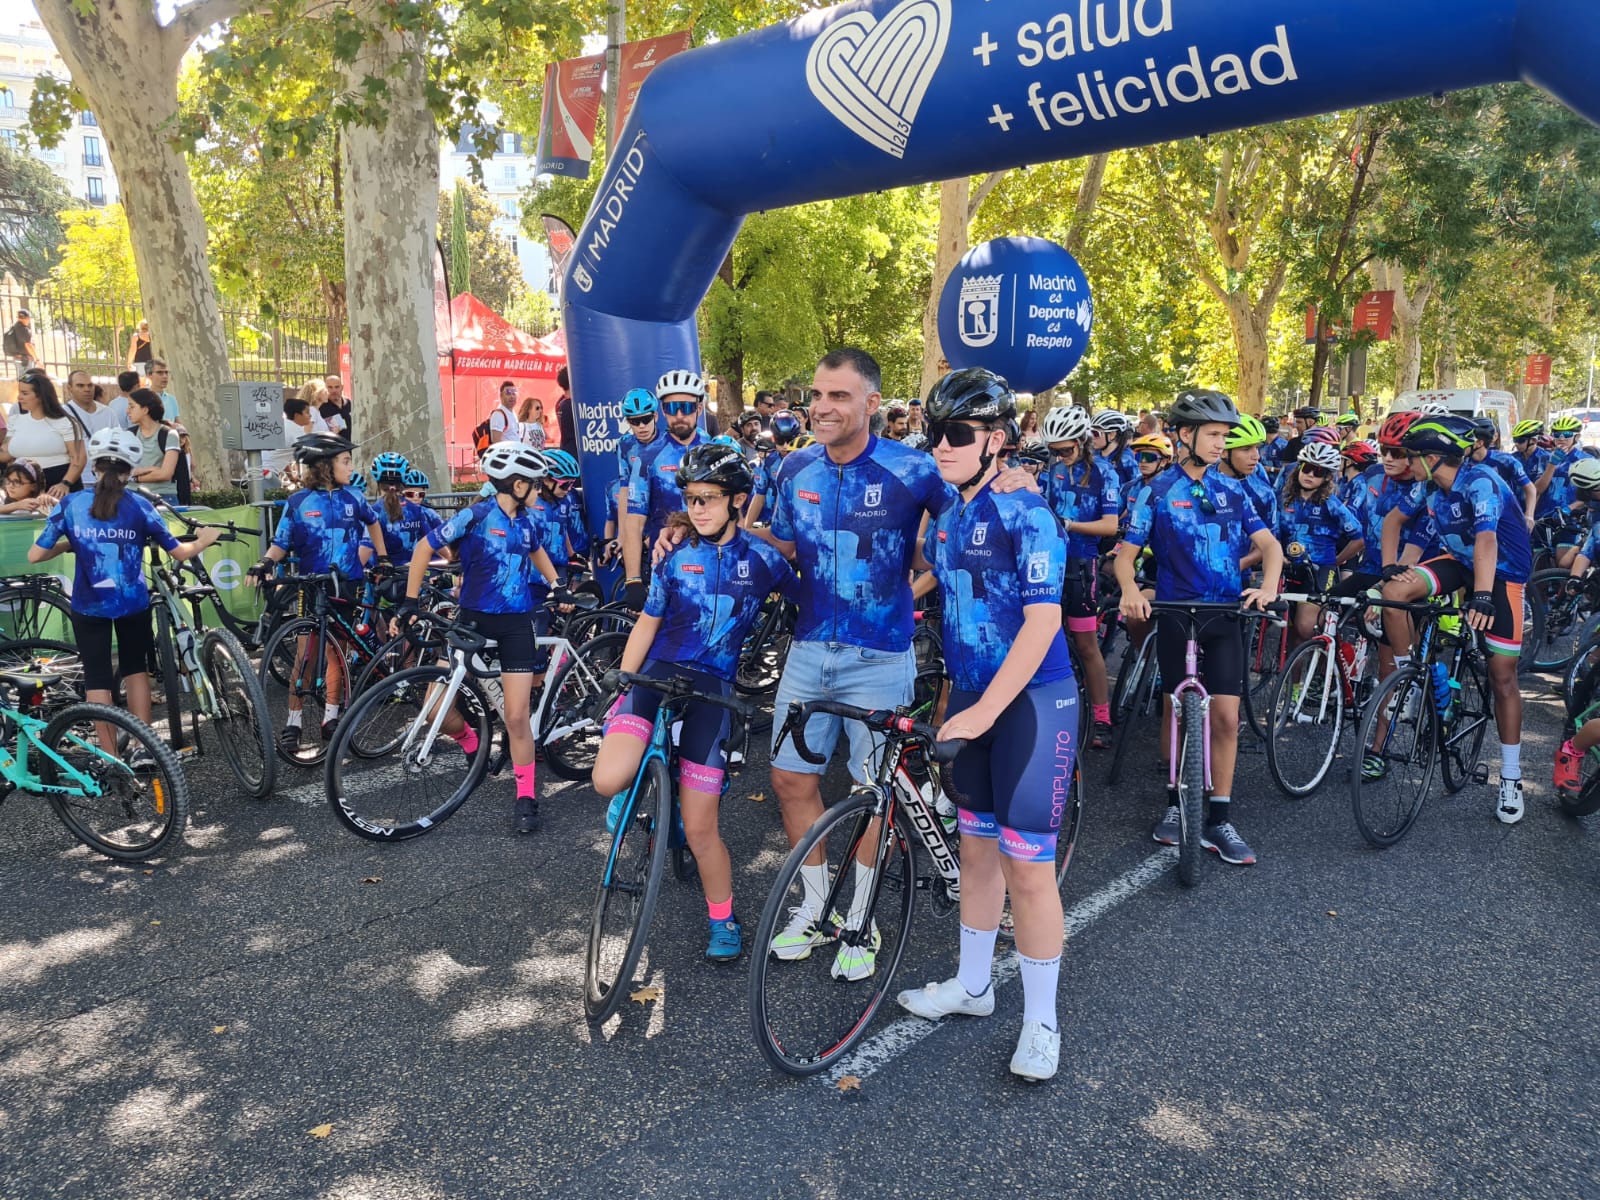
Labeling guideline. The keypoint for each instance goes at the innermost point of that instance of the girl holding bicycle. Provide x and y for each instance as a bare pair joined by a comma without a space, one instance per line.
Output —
499,547
704,600
107,530
322,526
1001,562
1309,528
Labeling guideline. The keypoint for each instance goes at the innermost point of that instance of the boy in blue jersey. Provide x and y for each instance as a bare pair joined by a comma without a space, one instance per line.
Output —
1001,562
704,600
639,409
653,482
1241,460
1558,497
501,556
1272,450
1486,553
1201,524
1084,493
322,526
1112,433
106,531
1509,466
1532,457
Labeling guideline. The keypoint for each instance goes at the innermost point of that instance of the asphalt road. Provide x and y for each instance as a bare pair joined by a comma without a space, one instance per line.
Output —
1333,1022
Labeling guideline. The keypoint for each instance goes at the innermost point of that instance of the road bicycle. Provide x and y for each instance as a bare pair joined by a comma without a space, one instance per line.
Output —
1433,712
109,777
647,825
1562,619
1318,696
209,672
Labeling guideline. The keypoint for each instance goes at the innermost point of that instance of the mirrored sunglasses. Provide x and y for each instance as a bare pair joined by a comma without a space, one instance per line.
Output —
1315,472
678,408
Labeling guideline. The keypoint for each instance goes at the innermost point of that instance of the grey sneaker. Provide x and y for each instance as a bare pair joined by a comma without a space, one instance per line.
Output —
1166,830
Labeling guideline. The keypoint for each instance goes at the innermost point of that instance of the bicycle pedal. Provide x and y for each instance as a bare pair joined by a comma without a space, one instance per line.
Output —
187,753
498,763
1480,773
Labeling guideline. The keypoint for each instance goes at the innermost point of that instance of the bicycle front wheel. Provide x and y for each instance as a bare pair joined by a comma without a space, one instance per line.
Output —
240,722
814,995
1471,715
305,668
1558,621
1191,788
1136,699
1305,718
1396,747
630,885
388,777
572,726
136,799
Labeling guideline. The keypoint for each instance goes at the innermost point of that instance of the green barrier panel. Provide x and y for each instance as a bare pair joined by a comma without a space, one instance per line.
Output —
226,561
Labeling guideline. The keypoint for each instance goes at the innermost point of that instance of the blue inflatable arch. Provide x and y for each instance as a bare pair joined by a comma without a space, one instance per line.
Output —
894,92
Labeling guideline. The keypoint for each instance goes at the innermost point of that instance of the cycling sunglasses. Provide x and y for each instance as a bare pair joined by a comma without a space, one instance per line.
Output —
678,408
1315,472
563,483
702,501
415,494
644,420
1150,456
1198,494
1394,452
957,433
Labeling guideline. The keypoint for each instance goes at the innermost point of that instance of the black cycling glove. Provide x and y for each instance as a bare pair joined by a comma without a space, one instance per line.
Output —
406,613
634,593
1481,603
261,570
1394,571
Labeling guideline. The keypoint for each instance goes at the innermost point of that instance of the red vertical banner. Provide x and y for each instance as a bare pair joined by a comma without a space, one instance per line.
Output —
638,59
572,95
1375,311
1538,370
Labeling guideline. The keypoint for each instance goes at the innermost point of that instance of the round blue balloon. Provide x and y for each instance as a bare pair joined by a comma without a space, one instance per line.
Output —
1020,307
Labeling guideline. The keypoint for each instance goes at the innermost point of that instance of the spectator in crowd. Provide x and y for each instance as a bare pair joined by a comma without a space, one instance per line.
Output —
1147,425
24,490
766,405
42,429
278,465
83,398
314,392
19,345
1028,427
139,348
896,422
160,447
335,408
503,423
160,380
914,415
530,421
566,422
127,384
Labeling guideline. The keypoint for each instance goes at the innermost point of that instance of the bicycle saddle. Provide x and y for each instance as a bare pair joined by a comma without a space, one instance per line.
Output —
29,681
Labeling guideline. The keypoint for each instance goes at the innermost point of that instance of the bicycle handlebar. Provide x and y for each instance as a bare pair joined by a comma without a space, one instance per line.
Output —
883,720
674,687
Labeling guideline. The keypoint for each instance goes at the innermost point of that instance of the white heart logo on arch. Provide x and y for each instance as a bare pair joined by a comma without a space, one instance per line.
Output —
872,74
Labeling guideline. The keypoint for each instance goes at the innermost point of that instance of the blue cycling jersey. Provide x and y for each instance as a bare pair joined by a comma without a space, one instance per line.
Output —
1263,496
1381,496
1085,492
1272,455
1510,469
854,526
497,572
1317,525
569,511
1534,464
550,535
108,571
323,530
993,556
653,491
1561,495
401,534
1479,502
1198,530
708,598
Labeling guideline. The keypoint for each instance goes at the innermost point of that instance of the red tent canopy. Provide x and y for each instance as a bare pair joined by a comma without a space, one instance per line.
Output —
486,351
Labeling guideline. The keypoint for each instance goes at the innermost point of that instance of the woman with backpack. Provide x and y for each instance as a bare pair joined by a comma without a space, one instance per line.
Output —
160,448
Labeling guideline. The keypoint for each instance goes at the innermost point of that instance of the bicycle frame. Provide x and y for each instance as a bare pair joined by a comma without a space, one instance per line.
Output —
17,770
1190,683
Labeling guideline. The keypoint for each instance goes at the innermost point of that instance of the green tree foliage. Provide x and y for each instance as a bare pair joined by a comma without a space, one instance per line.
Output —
460,253
31,202
493,273
97,255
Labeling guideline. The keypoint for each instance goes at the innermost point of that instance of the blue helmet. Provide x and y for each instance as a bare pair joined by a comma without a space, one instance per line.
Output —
358,481
785,427
390,464
562,464
640,402
414,478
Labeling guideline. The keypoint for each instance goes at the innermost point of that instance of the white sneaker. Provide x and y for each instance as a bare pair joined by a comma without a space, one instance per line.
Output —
855,963
799,937
1038,1052
944,999
1510,808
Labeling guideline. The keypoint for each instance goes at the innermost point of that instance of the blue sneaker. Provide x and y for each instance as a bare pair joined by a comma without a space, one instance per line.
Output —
727,940
614,811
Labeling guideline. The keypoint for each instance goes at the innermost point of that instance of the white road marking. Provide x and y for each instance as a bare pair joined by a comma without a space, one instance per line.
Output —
884,1047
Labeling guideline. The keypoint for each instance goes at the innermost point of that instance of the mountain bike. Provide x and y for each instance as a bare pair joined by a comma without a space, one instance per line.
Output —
34,607
109,777
1436,711
630,882
1318,696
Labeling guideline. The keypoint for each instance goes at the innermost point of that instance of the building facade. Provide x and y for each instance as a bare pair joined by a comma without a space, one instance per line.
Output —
80,160
505,175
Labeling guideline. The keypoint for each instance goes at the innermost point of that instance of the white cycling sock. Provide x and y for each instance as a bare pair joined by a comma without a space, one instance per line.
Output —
1510,761
292,721
977,959
815,882
330,712
860,894
1039,979
1402,660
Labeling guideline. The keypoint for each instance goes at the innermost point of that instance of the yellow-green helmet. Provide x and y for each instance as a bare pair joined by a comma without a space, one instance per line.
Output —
1566,426
1348,420
1248,432
1526,429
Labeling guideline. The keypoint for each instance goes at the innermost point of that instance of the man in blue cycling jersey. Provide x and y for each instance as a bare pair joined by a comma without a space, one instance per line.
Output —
653,493
1200,525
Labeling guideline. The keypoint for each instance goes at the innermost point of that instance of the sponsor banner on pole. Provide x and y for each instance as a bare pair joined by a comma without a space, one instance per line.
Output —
1538,371
637,60
1375,311
1335,328
572,95
561,238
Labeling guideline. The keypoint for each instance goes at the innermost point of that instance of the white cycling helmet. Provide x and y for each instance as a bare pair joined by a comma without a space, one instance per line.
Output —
1435,410
122,445
1109,420
1066,424
680,383
513,460
1321,454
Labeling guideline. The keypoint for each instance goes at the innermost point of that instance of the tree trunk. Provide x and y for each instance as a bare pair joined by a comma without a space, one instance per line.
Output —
1250,344
1094,181
1409,306
391,209
1446,367
954,195
125,65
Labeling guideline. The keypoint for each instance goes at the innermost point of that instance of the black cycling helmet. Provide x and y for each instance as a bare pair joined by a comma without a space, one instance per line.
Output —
786,427
1271,425
1308,414
1202,406
971,394
316,447
1486,429
718,464
1449,436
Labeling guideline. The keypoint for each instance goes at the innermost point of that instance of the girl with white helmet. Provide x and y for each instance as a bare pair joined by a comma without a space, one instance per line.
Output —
107,530
500,548
1085,494
1309,527
1112,433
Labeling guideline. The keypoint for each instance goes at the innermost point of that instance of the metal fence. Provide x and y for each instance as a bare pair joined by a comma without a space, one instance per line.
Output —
93,332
